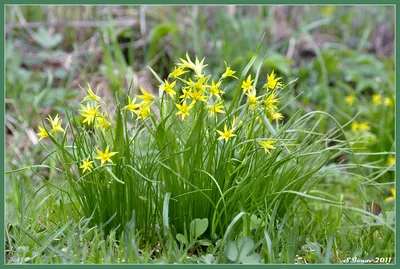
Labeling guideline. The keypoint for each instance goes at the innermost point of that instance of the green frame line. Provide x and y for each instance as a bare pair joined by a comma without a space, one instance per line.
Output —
183,2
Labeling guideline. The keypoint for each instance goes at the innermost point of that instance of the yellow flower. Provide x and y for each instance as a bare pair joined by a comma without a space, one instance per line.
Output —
131,105
199,84
388,102
183,109
228,72
177,72
363,126
144,110
168,88
247,85
355,126
105,156
272,82
197,66
271,101
103,122
89,113
277,116
186,94
55,124
377,99
226,134
393,197
86,165
350,99
91,95
267,145
252,99
198,96
42,133
214,89
147,97
216,108
391,161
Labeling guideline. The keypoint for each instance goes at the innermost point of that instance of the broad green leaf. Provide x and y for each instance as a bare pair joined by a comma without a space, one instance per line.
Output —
198,227
240,251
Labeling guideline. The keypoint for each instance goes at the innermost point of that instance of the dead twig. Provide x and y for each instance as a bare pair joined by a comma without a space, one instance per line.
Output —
74,24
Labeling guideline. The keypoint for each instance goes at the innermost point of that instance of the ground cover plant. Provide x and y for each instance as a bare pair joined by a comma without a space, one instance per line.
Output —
243,156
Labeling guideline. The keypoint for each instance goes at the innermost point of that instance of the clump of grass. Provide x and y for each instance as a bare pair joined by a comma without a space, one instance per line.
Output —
210,158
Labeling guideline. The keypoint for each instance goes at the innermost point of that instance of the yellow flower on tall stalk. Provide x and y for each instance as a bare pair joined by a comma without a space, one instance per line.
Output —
214,89
55,124
86,165
267,145
388,102
247,85
226,134
184,109
103,122
228,72
393,197
185,94
177,72
377,99
273,82
350,99
198,96
147,97
216,108
144,110
89,113
276,116
91,95
197,66
105,156
252,99
42,133
196,85
168,88
131,105
270,101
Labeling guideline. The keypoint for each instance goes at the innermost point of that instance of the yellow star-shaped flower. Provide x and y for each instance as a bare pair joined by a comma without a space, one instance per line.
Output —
86,165
177,72
91,95
226,134
168,88
247,85
105,156
55,124
272,82
228,72
183,109
267,145
147,97
216,108
42,133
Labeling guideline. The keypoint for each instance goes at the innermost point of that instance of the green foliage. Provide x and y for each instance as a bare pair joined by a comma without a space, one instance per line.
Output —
174,193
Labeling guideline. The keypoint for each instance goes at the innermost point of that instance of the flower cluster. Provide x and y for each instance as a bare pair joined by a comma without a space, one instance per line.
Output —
91,115
187,90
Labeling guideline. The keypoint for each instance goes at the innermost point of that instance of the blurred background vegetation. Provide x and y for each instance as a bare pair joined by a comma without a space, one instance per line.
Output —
333,51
